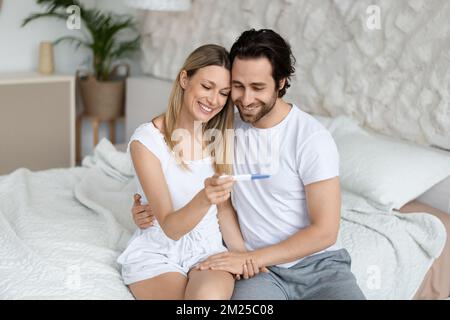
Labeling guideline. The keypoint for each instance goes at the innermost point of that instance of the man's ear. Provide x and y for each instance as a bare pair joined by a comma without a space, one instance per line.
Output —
281,84
183,79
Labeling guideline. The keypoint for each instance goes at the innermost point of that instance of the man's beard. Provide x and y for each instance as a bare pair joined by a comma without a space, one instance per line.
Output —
265,109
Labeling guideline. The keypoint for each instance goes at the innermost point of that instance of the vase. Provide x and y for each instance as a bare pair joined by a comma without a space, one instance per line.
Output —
46,60
104,99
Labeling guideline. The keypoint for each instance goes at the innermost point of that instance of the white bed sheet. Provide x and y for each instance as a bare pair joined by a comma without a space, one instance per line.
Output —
52,246
61,231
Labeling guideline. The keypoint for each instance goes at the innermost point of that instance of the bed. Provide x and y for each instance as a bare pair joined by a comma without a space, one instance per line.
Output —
62,229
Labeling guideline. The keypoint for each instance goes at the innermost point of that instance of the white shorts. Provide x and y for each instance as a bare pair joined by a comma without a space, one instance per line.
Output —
151,253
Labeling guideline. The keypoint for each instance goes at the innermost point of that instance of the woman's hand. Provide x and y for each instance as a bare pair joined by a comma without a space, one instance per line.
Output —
217,190
241,264
142,214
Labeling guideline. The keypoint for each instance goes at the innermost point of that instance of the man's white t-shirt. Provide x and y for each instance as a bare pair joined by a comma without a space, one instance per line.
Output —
296,152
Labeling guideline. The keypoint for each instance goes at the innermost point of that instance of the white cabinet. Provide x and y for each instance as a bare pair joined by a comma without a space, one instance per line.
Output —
37,122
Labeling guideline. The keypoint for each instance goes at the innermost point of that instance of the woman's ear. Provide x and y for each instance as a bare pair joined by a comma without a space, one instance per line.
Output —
183,79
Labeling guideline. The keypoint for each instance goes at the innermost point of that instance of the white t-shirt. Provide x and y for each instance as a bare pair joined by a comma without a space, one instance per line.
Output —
296,152
176,177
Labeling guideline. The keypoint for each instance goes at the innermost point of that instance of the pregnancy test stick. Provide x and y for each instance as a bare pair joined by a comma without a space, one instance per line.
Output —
247,177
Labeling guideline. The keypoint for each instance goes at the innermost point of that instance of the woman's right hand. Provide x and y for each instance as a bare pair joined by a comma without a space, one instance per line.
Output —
218,190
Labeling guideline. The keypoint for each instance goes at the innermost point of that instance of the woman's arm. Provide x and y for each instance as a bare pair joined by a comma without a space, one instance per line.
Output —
175,224
234,241
229,226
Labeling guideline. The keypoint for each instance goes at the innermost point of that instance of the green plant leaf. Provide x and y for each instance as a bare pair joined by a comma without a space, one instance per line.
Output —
79,42
125,49
60,5
35,16
100,33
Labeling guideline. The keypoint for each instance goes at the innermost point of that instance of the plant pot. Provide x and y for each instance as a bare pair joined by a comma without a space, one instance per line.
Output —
103,99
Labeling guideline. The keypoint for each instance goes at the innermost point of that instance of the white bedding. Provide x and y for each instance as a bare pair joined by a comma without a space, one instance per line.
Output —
61,231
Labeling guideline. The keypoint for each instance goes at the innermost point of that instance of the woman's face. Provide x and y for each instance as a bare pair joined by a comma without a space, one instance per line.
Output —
206,92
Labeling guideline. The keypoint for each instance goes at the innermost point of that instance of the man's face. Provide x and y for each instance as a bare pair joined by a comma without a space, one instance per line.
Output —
253,88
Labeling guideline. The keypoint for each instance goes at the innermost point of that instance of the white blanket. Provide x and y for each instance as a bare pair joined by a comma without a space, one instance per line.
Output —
391,252
52,246
61,231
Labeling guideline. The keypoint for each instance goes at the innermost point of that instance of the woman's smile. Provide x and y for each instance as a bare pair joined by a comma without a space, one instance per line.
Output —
205,109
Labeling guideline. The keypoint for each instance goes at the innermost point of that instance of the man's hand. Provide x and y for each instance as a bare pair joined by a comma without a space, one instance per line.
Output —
238,263
142,214
250,265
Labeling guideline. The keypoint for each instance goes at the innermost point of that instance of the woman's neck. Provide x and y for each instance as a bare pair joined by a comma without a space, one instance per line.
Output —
195,133
187,122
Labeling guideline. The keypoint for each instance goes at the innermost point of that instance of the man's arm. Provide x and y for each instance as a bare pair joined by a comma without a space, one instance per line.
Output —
323,199
324,208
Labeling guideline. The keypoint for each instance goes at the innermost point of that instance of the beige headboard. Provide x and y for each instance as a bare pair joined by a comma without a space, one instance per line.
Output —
146,98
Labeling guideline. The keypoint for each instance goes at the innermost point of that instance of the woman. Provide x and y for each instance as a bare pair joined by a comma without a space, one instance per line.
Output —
190,202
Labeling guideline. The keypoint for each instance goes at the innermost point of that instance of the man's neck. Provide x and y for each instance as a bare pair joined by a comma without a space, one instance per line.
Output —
275,116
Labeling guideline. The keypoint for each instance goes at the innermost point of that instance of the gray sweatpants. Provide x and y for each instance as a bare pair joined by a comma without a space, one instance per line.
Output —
323,276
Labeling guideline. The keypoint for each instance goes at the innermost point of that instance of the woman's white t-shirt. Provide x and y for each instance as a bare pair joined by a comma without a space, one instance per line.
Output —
150,252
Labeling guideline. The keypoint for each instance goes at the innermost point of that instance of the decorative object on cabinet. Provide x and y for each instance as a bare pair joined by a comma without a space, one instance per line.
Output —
46,60
105,45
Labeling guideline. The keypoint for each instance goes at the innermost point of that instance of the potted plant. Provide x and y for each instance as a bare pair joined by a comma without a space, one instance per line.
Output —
103,90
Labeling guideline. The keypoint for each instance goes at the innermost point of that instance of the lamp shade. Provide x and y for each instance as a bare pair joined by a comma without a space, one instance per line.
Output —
161,5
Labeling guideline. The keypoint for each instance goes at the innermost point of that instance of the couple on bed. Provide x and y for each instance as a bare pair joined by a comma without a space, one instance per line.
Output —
280,243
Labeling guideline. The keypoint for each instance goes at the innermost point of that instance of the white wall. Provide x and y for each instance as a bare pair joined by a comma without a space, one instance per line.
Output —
19,48
395,80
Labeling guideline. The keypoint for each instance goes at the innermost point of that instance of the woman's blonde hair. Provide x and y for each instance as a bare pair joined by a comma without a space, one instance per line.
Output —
204,56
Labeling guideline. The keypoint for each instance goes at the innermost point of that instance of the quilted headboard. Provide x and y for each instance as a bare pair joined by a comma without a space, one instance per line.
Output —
146,98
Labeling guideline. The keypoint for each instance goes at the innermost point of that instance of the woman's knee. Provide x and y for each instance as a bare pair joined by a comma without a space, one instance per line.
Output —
150,289
209,287
210,292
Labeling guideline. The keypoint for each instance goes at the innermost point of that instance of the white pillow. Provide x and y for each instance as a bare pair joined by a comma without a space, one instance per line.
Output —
384,170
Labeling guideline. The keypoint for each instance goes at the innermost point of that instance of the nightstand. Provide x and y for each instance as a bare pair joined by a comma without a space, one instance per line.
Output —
95,123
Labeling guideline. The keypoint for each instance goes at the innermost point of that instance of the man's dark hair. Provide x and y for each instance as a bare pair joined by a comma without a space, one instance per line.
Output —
267,43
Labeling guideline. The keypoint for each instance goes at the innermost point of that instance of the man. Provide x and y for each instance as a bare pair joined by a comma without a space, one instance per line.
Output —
290,222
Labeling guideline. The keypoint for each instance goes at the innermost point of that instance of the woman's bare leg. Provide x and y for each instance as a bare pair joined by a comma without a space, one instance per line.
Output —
209,285
167,286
